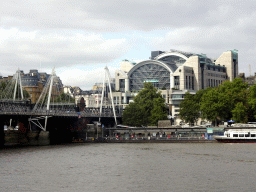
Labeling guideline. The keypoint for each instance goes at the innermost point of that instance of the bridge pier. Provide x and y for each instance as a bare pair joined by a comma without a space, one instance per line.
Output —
2,135
59,131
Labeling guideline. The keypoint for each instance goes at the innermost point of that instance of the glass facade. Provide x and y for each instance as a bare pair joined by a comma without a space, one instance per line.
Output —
178,61
154,73
122,84
176,82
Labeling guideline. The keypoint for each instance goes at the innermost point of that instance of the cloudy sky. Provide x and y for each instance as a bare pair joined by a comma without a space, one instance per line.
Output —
79,37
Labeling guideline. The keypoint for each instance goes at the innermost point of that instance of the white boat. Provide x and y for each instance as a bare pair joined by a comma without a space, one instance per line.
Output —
238,135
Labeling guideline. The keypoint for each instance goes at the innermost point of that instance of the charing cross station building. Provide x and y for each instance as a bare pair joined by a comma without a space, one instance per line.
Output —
171,72
174,73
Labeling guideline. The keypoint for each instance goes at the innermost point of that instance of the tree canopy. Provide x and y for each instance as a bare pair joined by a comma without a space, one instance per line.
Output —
8,94
148,107
231,100
189,108
64,98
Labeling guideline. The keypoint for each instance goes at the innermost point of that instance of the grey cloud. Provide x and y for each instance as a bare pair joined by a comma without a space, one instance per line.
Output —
207,26
113,15
57,49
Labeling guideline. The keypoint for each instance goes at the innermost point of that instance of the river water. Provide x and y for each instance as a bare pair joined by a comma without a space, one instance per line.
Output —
129,167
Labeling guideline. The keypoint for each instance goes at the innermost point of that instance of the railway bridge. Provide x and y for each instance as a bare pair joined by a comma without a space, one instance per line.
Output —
60,118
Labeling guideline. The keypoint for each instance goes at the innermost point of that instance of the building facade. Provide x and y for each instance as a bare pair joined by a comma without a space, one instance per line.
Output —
34,82
251,80
174,73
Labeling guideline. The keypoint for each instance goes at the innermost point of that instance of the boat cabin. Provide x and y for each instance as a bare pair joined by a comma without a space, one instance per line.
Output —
240,133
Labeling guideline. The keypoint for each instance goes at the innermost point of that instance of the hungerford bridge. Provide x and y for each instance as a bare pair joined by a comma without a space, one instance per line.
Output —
51,113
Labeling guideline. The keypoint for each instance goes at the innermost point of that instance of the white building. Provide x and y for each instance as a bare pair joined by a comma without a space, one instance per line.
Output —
176,72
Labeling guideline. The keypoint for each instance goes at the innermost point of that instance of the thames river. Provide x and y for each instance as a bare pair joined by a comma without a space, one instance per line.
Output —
129,167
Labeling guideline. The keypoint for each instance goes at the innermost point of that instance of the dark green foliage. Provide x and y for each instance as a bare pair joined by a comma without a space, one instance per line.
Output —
228,101
189,108
231,100
148,107
240,113
133,115
8,94
64,98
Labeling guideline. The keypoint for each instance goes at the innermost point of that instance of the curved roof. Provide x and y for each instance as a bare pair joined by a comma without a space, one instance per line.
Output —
170,54
170,68
183,55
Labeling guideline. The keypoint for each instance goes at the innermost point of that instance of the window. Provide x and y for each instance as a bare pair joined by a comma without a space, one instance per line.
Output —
253,135
235,135
176,82
193,83
241,135
186,82
177,96
122,84
189,83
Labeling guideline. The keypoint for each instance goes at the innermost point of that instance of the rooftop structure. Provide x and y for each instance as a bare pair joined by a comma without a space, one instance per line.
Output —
175,72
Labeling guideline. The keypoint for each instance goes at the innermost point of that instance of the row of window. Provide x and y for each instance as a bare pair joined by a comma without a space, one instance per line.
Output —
244,135
216,75
214,83
177,96
216,68
189,81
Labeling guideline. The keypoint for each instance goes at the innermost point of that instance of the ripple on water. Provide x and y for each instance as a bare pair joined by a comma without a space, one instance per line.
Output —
129,167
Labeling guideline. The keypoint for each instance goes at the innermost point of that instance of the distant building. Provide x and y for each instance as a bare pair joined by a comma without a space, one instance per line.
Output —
34,82
251,80
174,73
5,78
72,90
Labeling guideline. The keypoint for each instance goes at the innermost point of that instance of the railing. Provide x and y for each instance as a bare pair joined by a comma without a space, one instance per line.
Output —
137,138
23,109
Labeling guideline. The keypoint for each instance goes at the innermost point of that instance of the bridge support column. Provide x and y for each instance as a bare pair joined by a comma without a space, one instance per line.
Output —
59,130
2,134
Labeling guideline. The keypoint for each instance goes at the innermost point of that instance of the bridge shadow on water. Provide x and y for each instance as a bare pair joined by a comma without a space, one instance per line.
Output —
59,129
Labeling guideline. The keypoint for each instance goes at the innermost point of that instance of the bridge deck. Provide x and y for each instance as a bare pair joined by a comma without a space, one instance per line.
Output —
7,108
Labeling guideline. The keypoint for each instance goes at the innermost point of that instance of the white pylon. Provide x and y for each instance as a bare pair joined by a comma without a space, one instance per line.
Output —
107,74
18,80
39,103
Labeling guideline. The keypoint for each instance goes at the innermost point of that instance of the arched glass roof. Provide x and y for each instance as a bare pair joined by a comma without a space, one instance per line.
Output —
156,72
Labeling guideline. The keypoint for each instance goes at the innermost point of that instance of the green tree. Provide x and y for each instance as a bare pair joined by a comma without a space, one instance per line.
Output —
133,115
240,113
220,103
252,103
190,108
231,93
8,94
158,112
148,107
64,98
209,105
